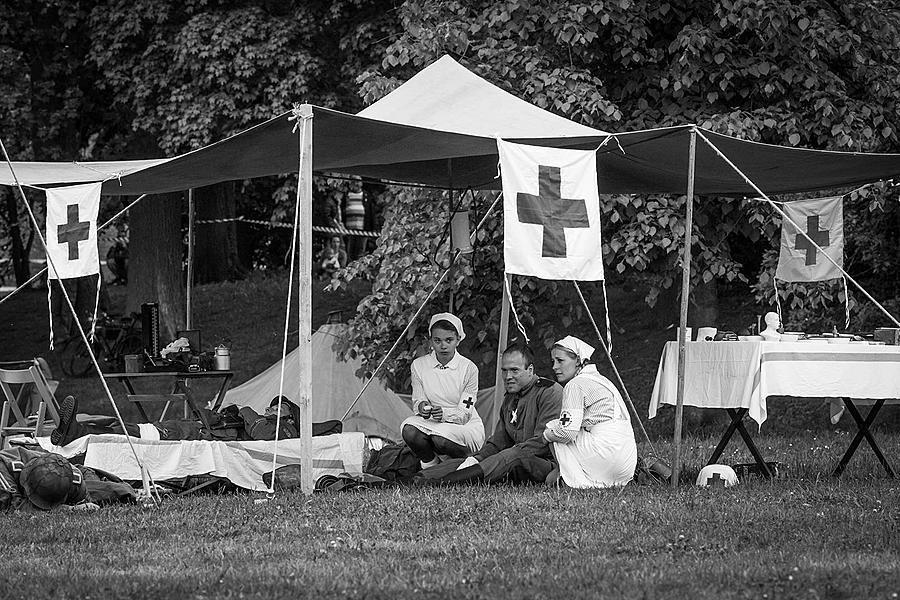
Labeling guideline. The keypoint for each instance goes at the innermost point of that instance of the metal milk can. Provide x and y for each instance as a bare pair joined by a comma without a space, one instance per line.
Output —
223,358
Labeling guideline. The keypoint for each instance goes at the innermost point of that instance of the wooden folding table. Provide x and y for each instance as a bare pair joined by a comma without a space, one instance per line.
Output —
180,390
739,376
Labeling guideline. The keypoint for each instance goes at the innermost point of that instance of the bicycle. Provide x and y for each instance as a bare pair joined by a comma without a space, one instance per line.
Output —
114,337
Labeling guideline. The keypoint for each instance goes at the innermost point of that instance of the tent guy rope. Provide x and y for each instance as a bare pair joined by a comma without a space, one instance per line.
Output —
302,122
81,331
799,229
412,320
612,363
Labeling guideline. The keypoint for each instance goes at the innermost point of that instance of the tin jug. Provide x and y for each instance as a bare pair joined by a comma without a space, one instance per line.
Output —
223,358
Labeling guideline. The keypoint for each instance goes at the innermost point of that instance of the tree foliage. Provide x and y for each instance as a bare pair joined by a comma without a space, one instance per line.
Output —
816,74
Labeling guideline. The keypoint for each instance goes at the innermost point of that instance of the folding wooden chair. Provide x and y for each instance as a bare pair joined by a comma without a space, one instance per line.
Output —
28,401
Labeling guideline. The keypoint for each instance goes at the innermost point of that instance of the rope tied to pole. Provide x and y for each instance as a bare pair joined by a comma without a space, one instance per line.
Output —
402,335
612,363
81,331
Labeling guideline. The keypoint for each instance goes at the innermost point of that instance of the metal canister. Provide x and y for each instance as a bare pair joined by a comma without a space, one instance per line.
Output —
223,358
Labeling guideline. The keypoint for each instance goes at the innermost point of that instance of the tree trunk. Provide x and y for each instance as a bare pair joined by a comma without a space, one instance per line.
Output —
216,256
21,266
155,272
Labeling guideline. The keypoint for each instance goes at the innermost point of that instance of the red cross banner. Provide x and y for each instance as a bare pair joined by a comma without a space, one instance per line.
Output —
551,212
72,230
822,219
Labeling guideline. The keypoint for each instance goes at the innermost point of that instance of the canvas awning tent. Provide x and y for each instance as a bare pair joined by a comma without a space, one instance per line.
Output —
429,131
446,144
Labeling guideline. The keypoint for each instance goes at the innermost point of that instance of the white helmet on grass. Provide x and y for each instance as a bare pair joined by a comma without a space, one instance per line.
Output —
717,476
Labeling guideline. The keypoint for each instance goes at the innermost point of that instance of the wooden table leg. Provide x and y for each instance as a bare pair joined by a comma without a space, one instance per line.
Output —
220,395
130,390
863,432
189,398
757,455
736,415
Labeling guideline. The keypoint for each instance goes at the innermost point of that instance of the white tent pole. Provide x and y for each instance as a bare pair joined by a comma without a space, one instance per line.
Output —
305,297
451,308
501,346
685,295
77,321
190,261
799,229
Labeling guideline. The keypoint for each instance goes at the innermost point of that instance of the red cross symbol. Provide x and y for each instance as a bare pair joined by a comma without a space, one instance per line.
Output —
816,235
468,402
564,419
715,481
552,211
72,231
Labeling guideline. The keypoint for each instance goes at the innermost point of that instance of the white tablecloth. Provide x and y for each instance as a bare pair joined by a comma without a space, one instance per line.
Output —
744,374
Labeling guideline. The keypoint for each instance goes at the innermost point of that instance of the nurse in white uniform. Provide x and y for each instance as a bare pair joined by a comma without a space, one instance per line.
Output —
592,439
444,391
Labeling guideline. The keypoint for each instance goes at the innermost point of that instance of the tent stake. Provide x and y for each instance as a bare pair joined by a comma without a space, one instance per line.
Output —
501,346
305,297
685,295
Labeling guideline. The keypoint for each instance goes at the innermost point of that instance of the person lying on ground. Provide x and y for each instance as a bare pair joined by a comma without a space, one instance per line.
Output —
231,424
592,439
444,391
34,479
517,451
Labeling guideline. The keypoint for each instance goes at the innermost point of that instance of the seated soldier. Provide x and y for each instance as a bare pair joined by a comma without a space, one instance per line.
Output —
229,425
36,479
517,451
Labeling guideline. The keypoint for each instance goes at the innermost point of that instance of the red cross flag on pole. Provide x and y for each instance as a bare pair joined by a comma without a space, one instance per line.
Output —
72,231
551,212
822,220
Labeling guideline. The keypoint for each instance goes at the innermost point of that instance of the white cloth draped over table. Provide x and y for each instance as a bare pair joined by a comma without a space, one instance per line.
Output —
716,375
744,374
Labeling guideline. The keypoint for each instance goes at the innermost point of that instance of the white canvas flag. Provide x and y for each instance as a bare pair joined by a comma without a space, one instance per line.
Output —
823,220
551,212
72,230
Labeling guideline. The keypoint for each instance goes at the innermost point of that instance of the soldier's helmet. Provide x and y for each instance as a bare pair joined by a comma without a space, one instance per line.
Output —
47,480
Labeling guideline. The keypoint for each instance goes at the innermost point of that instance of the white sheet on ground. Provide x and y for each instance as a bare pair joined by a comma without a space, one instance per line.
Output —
242,463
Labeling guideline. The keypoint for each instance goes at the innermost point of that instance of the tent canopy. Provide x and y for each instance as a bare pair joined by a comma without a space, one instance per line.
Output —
444,141
445,96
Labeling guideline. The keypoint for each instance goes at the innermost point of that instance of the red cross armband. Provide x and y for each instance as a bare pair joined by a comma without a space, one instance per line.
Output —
565,420
467,402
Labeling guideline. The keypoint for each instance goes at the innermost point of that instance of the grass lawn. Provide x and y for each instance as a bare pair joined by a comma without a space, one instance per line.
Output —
805,535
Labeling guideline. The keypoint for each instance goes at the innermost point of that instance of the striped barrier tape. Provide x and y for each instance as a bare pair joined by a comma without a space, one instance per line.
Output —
315,228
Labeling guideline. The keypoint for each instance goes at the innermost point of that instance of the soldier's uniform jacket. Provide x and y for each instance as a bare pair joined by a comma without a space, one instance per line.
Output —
523,417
